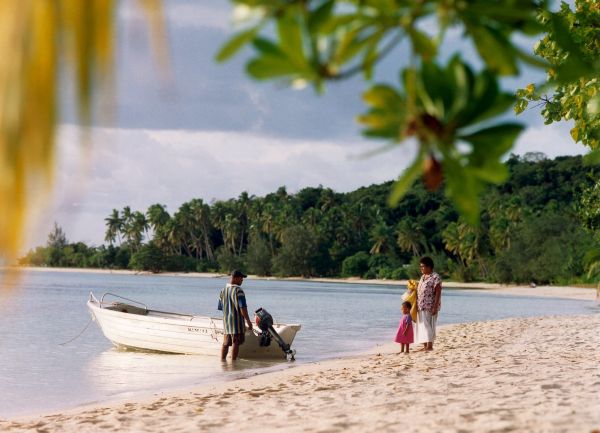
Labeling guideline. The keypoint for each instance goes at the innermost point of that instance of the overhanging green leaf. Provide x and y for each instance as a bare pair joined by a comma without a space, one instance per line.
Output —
433,89
338,21
493,172
267,67
495,49
383,96
422,44
491,143
234,44
320,16
351,45
290,36
484,111
406,180
463,189
267,47
464,85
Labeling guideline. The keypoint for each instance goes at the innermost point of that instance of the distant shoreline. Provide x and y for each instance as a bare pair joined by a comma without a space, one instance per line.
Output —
566,292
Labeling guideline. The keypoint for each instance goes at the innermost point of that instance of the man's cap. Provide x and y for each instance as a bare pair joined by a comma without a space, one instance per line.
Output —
238,273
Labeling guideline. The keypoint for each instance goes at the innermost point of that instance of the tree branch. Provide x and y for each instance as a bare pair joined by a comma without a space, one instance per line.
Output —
357,68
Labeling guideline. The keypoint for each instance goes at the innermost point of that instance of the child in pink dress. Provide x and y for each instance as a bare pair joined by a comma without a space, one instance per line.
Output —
404,336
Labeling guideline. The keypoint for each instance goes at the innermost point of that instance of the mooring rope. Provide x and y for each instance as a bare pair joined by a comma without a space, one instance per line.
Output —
78,335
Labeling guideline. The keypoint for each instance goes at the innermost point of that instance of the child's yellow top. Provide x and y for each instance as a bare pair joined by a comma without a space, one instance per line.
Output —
411,296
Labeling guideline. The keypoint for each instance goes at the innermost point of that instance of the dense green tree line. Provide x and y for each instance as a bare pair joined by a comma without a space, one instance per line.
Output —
541,225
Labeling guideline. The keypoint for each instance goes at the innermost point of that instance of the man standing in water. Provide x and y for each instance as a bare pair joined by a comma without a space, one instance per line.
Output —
232,301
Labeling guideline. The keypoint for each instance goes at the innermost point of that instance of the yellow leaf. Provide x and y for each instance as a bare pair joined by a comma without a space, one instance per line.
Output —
530,89
575,134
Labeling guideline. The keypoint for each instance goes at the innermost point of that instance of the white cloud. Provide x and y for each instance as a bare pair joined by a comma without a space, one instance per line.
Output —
138,167
212,14
553,140
197,15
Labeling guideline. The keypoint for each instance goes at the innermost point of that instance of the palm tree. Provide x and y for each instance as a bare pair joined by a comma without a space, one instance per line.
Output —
469,248
158,217
285,217
327,199
201,217
381,236
311,218
194,222
345,238
188,236
361,216
135,229
114,226
176,234
142,224
255,217
217,215
267,224
231,227
244,208
410,237
503,220
127,219
282,194
57,237
452,239
462,240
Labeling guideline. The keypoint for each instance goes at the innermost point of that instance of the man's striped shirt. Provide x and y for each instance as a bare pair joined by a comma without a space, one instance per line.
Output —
231,300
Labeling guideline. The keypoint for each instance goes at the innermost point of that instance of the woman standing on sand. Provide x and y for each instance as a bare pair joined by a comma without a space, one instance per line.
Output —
429,293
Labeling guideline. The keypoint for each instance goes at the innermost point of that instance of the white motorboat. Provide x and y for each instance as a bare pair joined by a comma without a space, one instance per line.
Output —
137,327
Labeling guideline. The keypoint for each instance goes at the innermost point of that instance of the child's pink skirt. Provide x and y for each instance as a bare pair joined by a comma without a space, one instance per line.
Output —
403,338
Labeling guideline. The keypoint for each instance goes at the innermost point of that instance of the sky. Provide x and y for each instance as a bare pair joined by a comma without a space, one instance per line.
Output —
211,132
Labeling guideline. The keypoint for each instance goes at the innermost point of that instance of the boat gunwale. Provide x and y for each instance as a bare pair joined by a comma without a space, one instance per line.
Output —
177,317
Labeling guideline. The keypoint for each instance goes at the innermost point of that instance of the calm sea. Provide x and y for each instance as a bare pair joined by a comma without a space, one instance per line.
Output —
44,309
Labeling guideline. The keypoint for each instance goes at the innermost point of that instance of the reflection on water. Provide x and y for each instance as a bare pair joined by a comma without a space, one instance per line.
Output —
115,371
118,371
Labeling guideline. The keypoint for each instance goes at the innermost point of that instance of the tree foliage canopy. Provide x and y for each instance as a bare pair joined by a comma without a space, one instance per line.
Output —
443,107
578,99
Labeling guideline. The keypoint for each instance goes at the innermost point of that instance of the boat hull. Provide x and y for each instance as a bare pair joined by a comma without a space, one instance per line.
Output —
178,333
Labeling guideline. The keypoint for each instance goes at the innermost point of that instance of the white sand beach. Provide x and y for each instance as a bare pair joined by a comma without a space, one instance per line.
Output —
514,375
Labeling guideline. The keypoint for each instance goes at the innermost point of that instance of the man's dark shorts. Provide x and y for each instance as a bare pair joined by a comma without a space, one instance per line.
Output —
230,339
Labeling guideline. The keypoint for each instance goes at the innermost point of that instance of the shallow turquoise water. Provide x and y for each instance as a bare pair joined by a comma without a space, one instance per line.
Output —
48,308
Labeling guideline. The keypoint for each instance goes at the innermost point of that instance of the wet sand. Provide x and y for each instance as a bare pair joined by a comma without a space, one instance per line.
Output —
521,375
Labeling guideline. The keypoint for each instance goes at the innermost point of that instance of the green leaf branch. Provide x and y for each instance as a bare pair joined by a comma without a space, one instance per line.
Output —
451,110
571,47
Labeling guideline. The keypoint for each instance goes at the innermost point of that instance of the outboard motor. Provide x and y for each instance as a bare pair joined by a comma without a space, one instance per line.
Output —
264,321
